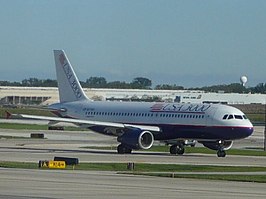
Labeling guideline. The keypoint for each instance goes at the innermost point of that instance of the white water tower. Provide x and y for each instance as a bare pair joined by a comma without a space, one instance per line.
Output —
243,80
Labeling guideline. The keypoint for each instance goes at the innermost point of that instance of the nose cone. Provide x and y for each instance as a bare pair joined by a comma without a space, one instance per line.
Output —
242,131
248,129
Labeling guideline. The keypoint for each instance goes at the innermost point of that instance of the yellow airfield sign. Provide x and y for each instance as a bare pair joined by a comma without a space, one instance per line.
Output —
52,164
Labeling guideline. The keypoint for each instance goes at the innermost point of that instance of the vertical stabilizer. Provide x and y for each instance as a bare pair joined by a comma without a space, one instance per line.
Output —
68,83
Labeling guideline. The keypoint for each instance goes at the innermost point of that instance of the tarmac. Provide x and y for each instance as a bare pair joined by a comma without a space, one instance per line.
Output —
20,184
24,183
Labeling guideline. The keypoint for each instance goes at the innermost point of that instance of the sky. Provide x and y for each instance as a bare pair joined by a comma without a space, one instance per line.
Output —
190,43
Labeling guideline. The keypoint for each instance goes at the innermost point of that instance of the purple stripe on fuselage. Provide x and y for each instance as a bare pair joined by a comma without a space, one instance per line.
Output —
176,112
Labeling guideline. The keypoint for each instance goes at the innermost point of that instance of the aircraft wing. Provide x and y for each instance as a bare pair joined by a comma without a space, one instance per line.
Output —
88,122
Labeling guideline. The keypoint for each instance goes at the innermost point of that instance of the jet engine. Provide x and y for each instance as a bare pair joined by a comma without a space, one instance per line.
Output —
222,145
137,139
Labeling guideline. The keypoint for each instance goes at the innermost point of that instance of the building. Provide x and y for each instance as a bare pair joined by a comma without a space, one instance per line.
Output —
49,95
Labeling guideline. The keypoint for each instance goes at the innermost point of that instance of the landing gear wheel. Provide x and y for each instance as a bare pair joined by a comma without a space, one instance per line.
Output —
173,149
177,149
128,150
180,150
122,149
221,153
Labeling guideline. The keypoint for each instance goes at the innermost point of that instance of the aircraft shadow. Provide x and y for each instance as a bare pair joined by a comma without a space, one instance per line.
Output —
84,151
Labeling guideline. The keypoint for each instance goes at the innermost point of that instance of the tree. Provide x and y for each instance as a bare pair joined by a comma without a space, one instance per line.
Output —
168,87
118,84
32,82
49,83
260,88
141,83
96,82
230,88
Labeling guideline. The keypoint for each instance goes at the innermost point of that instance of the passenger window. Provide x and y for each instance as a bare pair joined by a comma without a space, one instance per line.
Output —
230,117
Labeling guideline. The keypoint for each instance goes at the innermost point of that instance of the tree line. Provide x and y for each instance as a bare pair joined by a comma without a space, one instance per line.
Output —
138,83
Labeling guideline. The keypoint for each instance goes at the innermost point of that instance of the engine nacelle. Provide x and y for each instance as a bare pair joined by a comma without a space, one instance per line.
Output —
137,139
225,145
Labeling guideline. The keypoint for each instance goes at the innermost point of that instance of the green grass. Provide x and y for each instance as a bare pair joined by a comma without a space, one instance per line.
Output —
30,111
12,137
23,126
143,167
21,165
162,170
35,127
256,117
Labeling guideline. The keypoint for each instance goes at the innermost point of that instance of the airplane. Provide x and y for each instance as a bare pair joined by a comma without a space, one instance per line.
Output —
138,124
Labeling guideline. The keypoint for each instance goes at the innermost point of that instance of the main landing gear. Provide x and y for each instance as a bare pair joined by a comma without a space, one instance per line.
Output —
177,149
123,149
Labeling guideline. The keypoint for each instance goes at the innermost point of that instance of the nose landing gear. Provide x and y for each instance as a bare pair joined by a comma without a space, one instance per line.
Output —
221,153
221,148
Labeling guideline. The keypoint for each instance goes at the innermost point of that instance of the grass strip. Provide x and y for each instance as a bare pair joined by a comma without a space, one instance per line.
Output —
12,137
19,165
23,126
35,127
142,167
24,110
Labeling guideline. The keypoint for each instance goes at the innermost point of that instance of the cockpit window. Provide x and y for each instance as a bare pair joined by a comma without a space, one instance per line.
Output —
239,117
230,117
225,116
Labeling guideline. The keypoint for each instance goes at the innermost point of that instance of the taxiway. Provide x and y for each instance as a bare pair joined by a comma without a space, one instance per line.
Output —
23,183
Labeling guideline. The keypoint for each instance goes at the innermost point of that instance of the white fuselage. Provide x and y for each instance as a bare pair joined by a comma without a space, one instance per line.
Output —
194,121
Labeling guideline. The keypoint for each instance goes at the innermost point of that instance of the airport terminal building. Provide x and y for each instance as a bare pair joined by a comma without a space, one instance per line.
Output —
49,95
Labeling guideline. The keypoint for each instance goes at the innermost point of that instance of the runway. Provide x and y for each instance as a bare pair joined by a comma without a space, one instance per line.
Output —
21,183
